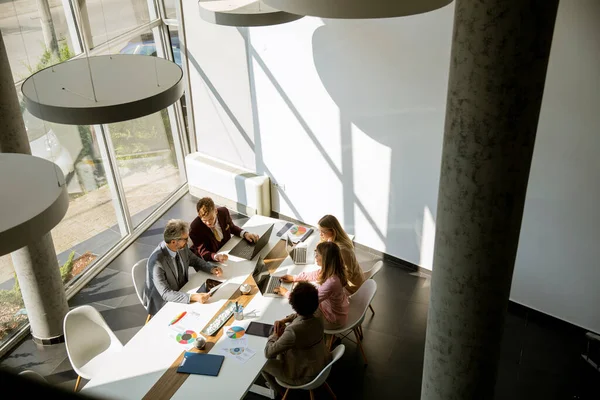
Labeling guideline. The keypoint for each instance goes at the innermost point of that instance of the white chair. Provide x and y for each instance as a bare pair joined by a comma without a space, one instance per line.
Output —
320,379
370,274
138,273
30,374
89,341
359,302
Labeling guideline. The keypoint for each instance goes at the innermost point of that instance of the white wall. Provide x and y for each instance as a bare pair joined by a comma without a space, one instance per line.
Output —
347,117
558,261
220,89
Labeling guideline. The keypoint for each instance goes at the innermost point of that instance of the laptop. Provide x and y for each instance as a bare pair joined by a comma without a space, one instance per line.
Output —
248,250
266,282
298,253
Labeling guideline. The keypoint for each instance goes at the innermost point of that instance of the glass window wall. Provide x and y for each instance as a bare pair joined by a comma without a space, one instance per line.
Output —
103,20
36,34
116,174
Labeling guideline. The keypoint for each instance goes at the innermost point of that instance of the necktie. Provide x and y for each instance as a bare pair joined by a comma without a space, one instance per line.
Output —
216,233
178,266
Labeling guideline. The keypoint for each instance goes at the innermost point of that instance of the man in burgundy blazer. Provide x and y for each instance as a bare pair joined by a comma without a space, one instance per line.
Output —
212,228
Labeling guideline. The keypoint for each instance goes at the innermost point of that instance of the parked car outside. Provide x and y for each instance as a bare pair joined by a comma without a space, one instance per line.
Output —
145,45
45,144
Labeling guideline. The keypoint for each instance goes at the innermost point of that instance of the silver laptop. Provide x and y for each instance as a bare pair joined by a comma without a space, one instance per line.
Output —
298,253
266,282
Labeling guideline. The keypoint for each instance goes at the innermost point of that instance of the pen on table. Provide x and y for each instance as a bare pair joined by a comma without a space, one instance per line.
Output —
178,318
236,306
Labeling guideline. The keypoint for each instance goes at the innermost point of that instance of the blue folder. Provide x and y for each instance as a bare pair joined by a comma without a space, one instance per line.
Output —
201,364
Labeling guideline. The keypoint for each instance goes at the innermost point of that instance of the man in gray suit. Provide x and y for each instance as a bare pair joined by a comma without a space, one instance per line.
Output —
167,269
296,350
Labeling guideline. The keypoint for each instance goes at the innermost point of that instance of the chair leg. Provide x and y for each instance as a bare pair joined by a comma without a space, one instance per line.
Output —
331,342
360,345
330,391
360,332
77,383
312,395
371,307
148,318
285,395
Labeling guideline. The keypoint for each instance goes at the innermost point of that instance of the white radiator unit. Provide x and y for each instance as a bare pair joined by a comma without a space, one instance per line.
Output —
228,185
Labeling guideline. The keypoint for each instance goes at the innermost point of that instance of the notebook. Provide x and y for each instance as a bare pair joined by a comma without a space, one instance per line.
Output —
201,364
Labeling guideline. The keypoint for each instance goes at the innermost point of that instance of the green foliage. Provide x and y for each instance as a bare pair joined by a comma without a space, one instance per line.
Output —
65,270
48,58
13,296
135,139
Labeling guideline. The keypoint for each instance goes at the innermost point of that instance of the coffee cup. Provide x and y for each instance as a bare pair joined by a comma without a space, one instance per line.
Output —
245,288
200,342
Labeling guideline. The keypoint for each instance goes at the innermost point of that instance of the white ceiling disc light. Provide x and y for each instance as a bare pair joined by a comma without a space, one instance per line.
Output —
34,199
349,9
103,89
243,13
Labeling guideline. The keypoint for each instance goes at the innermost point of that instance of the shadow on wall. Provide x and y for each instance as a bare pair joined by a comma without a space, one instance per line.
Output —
260,166
391,86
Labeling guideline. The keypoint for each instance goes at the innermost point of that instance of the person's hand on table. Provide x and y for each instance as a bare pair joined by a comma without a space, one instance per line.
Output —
287,278
251,237
199,297
280,291
221,257
216,271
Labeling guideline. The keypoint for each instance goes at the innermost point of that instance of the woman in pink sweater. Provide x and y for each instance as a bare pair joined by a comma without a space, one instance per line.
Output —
331,279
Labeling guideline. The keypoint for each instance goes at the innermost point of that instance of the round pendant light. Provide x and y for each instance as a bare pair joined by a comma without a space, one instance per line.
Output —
348,9
243,13
34,199
103,89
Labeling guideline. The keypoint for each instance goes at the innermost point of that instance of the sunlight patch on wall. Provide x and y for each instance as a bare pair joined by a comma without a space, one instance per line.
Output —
427,240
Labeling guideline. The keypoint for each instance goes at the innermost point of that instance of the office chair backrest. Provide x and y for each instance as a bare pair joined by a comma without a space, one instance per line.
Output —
359,302
324,374
30,374
374,270
138,273
87,335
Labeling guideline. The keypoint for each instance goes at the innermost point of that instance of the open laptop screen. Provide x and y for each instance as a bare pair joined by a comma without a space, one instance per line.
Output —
261,275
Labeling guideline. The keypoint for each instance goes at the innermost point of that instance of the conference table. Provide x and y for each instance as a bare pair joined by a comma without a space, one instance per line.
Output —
146,366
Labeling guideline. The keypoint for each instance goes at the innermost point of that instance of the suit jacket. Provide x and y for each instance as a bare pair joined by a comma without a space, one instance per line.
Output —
205,244
301,350
162,284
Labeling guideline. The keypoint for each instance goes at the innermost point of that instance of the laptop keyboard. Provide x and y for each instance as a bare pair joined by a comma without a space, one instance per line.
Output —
300,255
273,284
243,251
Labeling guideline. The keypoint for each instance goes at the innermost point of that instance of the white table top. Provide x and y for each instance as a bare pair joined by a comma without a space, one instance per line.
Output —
152,350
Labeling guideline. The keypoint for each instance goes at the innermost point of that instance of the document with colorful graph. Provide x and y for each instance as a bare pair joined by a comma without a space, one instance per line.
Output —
298,233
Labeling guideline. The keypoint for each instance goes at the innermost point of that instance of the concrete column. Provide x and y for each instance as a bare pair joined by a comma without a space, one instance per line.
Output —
498,65
42,289
36,264
13,137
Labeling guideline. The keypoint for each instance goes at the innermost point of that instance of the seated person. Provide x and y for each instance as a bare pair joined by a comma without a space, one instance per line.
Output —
212,228
330,230
167,269
331,278
296,350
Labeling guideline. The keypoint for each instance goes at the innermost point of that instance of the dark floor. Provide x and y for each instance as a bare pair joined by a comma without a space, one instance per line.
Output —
540,357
